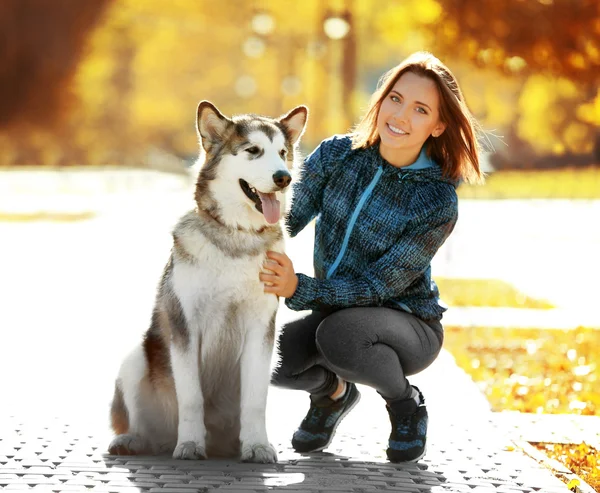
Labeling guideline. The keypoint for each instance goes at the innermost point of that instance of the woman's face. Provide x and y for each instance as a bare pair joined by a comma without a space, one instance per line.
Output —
408,115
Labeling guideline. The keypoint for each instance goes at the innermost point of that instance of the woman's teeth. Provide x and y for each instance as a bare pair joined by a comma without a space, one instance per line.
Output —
396,130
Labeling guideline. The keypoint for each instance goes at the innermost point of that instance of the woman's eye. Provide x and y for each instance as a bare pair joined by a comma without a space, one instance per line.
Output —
421,110
283,153
253,150
395,99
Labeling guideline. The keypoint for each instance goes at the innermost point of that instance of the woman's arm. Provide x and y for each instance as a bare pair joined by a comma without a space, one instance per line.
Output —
307,192
386,278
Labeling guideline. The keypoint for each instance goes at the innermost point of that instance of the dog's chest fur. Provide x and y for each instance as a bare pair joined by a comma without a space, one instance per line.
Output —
220,270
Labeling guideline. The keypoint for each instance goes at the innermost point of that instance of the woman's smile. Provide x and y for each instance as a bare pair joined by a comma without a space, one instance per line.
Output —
396,130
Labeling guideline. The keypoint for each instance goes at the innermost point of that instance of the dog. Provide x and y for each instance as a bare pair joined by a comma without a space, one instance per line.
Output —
197,384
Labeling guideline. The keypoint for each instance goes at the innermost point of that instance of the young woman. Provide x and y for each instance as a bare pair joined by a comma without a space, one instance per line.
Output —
385,202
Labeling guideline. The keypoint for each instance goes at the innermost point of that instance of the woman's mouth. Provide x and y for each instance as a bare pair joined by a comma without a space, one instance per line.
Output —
395,130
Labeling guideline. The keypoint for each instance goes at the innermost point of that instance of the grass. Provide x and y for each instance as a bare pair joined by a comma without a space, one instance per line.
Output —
485,293
567,183
537,371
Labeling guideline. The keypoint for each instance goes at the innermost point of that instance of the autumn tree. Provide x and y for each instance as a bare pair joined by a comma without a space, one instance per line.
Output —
553,48
136,70
43,43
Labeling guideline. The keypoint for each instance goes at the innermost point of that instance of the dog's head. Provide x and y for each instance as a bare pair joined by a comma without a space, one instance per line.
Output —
247,164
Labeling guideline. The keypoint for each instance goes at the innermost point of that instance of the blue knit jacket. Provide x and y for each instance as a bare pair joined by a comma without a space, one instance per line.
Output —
377,229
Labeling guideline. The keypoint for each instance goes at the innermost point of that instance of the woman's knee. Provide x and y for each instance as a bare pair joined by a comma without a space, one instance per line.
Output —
296,343
290,362
339,346
281,377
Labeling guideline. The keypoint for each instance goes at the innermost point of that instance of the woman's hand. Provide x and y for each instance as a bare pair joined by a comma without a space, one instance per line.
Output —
280,277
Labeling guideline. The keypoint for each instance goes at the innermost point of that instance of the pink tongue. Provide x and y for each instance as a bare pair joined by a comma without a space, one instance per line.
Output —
270,207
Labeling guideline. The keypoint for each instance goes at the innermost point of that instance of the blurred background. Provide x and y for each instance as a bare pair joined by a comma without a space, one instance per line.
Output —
97,115
116,81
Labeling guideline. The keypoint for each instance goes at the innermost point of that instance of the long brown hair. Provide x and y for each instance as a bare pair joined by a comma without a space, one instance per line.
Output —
456,150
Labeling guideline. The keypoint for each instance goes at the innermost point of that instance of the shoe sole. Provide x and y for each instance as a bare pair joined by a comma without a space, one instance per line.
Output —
342,416
416,459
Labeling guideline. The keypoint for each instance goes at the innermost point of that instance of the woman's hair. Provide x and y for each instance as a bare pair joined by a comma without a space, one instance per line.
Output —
457,148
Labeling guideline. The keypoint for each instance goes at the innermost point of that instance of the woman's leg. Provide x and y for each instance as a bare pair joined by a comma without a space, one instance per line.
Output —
301,364
302,367
378,347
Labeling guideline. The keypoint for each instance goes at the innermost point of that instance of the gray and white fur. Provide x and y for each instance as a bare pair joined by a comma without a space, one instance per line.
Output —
197,385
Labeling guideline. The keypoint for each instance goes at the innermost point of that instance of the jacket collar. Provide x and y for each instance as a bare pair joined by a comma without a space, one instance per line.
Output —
423,169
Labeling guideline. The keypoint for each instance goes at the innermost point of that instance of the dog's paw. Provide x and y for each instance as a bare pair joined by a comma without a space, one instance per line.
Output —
127,445
259,452
189,451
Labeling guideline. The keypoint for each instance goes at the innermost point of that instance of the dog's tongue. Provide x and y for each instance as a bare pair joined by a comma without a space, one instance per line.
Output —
270,207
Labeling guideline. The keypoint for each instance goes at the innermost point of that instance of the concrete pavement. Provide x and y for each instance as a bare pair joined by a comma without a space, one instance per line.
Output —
466,453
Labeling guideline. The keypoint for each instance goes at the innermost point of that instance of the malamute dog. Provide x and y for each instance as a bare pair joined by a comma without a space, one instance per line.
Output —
197,385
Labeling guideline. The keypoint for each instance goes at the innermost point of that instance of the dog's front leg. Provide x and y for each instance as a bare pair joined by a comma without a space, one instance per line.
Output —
255,376
191,433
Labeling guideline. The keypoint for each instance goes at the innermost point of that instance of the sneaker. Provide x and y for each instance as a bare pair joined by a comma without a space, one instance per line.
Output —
409,430
318,427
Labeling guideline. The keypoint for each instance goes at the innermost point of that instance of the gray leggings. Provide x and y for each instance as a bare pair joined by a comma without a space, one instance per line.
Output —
374,346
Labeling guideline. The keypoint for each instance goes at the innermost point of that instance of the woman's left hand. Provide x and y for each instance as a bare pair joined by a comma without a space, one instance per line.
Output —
280,277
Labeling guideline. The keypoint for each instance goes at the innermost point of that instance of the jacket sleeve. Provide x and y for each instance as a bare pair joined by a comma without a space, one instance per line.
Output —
386,278
308,190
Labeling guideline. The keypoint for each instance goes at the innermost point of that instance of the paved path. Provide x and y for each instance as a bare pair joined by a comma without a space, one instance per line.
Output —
465,452
77,296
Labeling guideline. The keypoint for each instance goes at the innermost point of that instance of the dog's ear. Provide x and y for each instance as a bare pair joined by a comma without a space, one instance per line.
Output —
210,123
295,122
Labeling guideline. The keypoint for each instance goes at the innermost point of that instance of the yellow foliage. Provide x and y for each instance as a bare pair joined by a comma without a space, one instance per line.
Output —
54,217
577,138
590,112
529,370
149,62
450,30
573,484
499,110
515,63
395,21
427,11
485,292
536,99
536,371
581,458
591,50
547,184
540,123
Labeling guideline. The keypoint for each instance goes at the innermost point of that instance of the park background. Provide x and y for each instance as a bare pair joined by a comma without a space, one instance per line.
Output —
97,114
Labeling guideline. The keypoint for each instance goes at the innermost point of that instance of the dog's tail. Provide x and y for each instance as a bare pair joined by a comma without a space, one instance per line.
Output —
119,417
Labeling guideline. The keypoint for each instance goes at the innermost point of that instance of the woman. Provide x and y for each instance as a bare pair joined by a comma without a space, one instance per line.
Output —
385,201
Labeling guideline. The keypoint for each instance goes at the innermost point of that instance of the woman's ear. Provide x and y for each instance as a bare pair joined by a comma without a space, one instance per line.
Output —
438,130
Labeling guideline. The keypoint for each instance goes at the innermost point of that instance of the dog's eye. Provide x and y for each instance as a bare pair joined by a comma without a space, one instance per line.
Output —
253,150
283,153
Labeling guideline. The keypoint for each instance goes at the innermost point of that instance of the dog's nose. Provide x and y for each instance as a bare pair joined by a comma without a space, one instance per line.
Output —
282,179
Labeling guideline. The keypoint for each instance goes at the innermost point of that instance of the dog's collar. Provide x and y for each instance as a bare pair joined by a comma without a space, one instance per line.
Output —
221,223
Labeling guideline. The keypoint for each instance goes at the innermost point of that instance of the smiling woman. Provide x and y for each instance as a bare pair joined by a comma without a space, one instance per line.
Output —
442,125
407,117
385,201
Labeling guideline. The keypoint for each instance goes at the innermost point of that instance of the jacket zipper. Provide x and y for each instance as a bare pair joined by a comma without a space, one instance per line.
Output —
352,221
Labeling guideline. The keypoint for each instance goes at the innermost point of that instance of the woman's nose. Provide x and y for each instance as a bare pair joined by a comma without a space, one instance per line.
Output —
400,114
